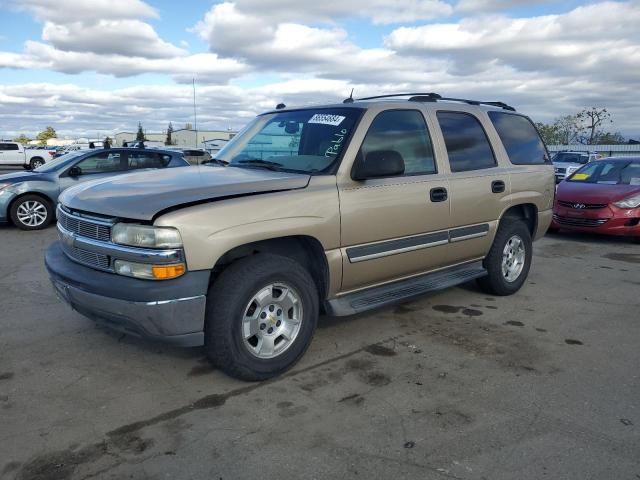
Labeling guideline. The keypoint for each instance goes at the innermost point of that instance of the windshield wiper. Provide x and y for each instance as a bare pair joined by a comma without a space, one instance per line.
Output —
254,162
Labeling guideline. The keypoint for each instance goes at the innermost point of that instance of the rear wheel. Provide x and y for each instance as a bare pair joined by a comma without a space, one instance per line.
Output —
261,315
36,162
509,259
31,212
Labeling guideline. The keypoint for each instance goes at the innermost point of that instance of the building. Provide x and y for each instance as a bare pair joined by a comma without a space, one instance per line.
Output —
181,138
624,150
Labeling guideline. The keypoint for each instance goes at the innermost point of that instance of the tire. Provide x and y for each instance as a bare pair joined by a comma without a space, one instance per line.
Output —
36,162
232,299
553,230
496,282
31,212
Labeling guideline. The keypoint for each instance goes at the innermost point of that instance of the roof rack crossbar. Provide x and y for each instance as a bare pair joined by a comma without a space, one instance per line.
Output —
434,97
392,95
478,102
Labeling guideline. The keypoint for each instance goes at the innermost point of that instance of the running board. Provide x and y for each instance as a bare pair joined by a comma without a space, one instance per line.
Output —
402,290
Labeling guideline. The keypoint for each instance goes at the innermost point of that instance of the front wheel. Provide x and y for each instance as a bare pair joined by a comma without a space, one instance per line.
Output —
261,315
31,212
509,259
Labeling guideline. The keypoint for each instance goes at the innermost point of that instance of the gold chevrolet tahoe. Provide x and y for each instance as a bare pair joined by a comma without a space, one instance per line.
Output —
336,209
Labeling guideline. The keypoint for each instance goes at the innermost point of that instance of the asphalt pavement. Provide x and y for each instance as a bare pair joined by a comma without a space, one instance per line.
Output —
458,384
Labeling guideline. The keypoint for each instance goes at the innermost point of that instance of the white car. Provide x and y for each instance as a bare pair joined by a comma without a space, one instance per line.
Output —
14,154
567,162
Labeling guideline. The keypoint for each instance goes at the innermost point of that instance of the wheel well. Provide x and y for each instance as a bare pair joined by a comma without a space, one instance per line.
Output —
305,250
37,194
526,212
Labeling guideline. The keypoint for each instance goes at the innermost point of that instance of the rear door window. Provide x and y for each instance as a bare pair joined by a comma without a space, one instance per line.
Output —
520,139
467,143
139,160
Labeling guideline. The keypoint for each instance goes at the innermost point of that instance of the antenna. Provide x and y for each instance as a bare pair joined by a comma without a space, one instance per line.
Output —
350,99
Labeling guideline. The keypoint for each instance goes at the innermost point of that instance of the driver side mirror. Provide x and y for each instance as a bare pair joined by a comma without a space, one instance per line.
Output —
378,163
75,171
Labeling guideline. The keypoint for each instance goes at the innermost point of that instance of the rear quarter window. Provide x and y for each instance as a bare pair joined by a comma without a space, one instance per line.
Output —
520,139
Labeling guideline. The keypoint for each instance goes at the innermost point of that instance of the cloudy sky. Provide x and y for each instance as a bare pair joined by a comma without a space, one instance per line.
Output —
102,66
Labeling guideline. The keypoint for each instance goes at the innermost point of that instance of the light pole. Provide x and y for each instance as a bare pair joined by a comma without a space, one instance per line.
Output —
195,115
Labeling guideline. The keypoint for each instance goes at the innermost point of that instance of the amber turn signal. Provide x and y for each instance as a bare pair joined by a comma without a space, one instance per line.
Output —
166,272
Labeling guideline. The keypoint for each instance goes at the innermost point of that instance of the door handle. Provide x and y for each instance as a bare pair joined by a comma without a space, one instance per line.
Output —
497,186
438,194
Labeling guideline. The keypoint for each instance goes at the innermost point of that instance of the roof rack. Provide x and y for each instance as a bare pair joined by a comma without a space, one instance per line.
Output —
434,97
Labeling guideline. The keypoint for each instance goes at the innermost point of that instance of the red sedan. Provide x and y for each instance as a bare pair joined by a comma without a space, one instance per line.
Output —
601,197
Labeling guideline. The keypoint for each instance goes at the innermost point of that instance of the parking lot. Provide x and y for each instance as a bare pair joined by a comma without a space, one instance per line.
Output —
543,384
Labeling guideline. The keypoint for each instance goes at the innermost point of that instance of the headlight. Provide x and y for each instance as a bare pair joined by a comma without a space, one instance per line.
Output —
629,202
145,236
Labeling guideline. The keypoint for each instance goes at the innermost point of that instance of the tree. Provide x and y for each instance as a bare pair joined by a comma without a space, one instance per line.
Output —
22,138
169,140
188,126
590,121
609,138
45,135
567,128
549,133
140,134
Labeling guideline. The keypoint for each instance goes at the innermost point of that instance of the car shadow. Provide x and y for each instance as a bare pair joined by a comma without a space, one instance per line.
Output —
585,237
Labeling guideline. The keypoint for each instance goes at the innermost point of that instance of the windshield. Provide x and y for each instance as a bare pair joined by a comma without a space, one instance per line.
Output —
609,173
571,158
54,164
306,141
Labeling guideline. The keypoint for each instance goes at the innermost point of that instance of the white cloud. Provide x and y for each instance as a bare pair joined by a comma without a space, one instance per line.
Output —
325,52
123,37
474,6
207,67
106,36
545,66
600,40
329,11
67,11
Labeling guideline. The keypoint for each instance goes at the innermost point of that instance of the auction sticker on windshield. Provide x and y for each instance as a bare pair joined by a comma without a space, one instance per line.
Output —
327,119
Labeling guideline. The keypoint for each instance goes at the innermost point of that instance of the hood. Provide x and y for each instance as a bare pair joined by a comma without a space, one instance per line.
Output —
594,192
19,177
141,196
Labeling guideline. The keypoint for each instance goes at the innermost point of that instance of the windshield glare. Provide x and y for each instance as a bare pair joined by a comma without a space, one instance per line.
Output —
308,141
609,173
54,164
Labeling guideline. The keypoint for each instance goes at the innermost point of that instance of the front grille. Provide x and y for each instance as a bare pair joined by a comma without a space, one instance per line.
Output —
84,227
90,259
580,222
582,206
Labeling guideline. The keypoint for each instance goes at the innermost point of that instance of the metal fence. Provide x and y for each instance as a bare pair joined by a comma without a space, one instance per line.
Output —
604,150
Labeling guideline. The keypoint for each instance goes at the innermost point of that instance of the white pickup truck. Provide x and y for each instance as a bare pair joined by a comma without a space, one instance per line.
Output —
14,154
